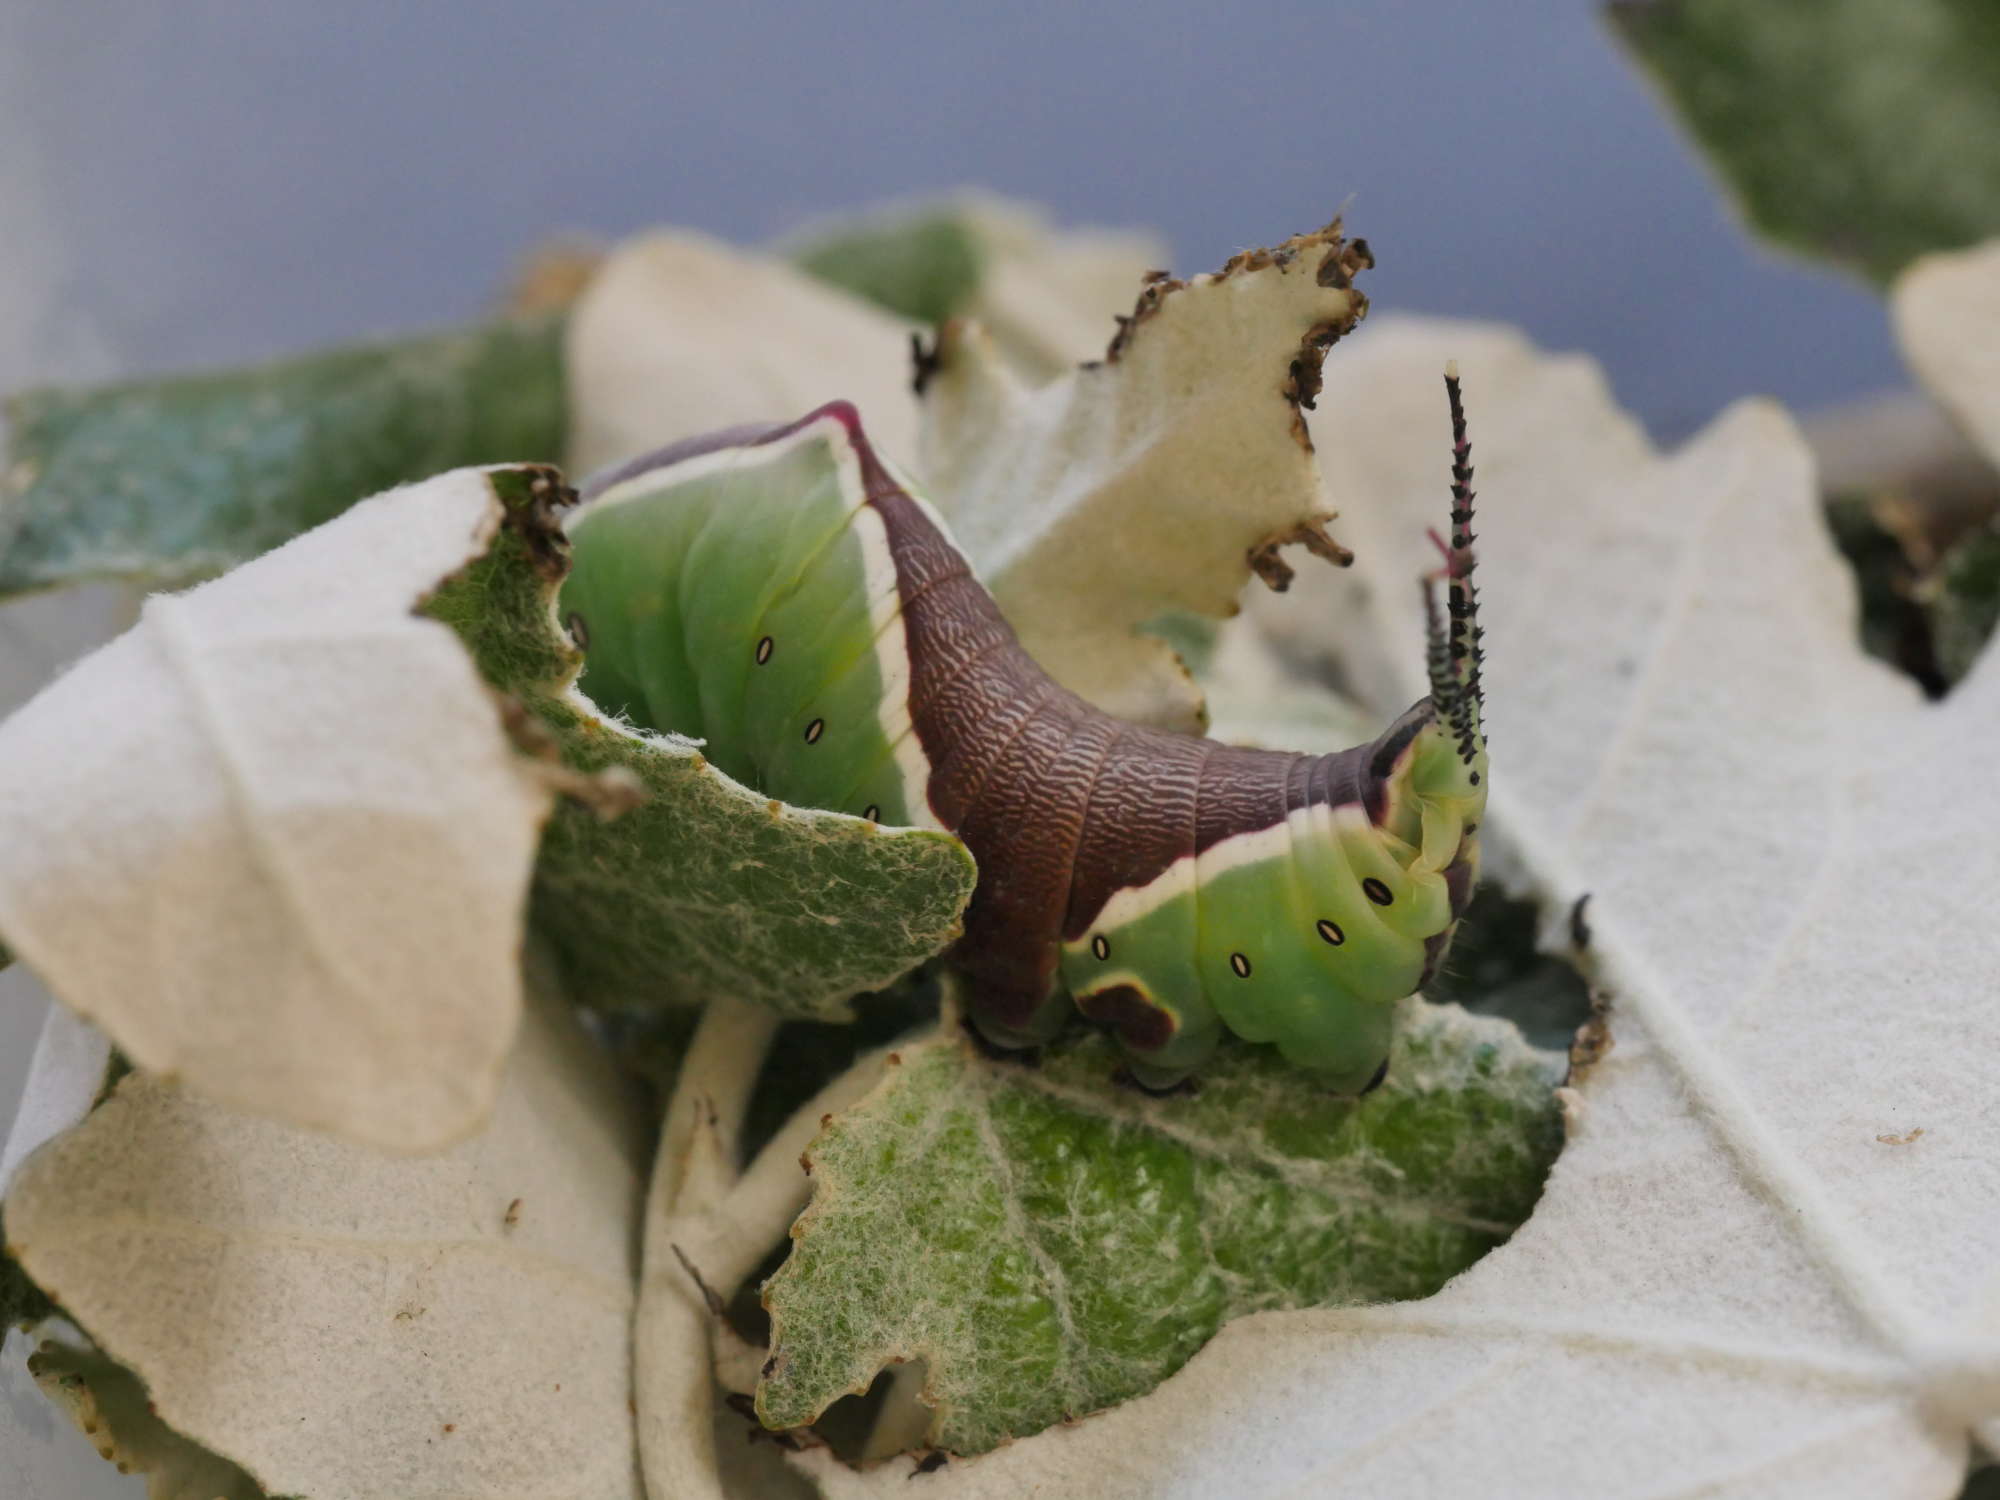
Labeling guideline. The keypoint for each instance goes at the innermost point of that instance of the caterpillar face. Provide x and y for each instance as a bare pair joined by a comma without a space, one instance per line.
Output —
786,596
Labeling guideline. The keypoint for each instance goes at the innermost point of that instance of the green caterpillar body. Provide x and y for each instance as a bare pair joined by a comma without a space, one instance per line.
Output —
785,596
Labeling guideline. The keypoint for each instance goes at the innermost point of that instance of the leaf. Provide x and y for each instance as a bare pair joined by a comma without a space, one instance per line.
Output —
1050,1242
703,889
343,1323
273,840
924,265
1930,305
173,480
1143,484
109,1406
1749,1276
679,334
1856,133
1046,297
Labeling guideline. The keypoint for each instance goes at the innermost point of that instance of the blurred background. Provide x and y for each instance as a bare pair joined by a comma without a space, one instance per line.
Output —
220,179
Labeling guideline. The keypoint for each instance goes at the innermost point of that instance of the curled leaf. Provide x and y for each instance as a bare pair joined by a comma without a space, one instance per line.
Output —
346,1324
680,334
273,840
109,1405
1936,304
686,885
1147,482
173,480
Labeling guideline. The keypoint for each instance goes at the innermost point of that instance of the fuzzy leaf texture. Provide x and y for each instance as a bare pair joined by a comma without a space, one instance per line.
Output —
703,888
1861,134
347,1324
169,481
109,1405
1763,1265
680,334
1046,297
274,840
1050,1242
1142,484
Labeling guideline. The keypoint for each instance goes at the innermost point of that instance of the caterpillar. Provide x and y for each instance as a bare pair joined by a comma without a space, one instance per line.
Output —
786,595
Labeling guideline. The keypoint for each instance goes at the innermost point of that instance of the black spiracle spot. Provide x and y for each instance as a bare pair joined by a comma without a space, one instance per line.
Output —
1241,964
814,730
1101,946
1374,890
872,812
1331,932
763,651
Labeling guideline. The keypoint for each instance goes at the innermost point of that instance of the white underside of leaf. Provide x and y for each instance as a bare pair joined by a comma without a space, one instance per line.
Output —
1047,296
111,1409
680,334
1098,502
1254,700
273,839
1747,1277
1946,307
346,1324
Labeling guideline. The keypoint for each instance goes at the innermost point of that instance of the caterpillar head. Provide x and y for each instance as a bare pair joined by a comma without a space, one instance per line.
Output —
1308,932
1427,774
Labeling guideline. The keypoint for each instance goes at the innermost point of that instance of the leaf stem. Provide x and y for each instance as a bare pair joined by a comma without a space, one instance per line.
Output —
774,1188
696,1165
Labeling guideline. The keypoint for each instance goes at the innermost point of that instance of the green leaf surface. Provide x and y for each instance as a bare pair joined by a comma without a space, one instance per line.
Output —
1964,600
1856,132
923,265
172,480
1051,1242
703,888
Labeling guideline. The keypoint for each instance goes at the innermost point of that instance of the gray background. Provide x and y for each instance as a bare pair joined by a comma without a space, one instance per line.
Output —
235,179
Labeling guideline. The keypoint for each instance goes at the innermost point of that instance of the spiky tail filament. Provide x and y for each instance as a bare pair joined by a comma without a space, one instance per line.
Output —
1455,649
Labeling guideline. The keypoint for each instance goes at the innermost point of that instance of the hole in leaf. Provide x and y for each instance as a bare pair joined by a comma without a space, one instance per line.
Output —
1495,969
807,1055
746,1312
882,1421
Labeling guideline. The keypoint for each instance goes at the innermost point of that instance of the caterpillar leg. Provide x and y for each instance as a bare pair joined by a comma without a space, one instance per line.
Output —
1162,1047
1011,1018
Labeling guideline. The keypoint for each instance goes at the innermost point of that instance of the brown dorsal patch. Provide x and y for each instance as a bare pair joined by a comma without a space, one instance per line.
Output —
1061,804
1141,1025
